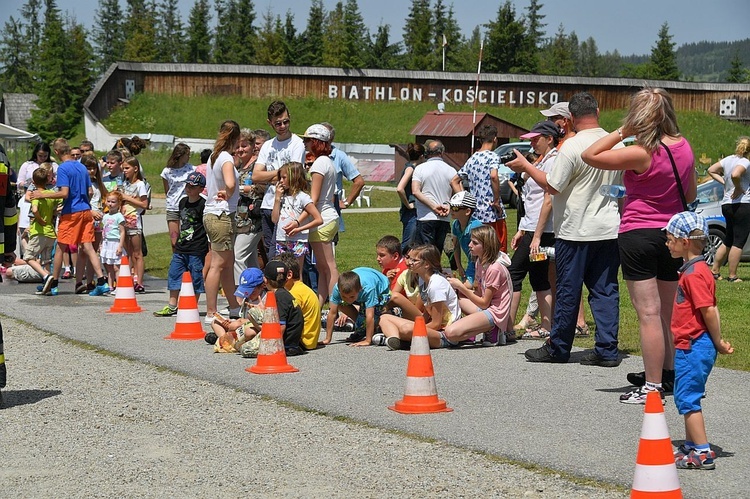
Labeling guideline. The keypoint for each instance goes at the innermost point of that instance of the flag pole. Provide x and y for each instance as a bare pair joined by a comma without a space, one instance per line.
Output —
445,42
476,96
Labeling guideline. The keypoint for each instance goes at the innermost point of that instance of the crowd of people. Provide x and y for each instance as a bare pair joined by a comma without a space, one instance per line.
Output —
262,215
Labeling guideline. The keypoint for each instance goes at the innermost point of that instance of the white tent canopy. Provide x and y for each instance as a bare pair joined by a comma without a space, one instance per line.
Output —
8,132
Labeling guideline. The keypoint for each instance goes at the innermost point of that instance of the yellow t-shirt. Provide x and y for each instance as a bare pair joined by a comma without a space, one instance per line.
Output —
308,302
46,211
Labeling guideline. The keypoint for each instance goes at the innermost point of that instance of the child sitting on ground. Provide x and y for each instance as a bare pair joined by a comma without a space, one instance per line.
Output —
191,246
393,265
463,205
697,335
42,234
290,314
307,299
229,335
361,293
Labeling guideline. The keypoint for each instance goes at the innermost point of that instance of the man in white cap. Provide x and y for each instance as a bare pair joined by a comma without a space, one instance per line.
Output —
559,114
274,154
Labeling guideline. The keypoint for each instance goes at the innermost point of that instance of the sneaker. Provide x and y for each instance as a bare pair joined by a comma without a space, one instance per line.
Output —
100,290
211,338
667,379
510,337
638,396
541,354
81,288
224,312
66,275
52,292
346,327
393,343
354,337
166,312
138,288
378,339
697,460
209,319
47,285
492,337
594,359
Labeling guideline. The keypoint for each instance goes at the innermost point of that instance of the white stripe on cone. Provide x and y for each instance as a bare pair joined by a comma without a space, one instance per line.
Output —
124,292
655,478
188,316
420,386
654,426
420,345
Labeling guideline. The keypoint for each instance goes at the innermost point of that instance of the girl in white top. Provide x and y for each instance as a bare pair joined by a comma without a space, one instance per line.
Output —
173,178
221,184
440,301
317,139
135,202
290,203
113,244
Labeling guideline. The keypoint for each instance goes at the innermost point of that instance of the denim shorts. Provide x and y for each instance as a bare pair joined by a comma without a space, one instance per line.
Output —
691,370
185,263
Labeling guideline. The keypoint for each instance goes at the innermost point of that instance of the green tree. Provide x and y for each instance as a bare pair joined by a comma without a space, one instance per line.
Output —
467,57
534,37
61,82
506,39
382,53
290,41
246,36
169,32
446,26
226,39
589,63
663,57
108,34
311,53
31,12
611,64
737,73
198,48
418,37
17,76
334,37
140,31
560,55
356,37
270,47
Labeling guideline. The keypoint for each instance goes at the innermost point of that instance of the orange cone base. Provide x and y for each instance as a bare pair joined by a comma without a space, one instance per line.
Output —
272,369
125,308
411,404
671,494
187,332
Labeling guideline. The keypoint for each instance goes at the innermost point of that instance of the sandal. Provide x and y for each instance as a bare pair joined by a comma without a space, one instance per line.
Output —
734,279
582,331
717,276
539,334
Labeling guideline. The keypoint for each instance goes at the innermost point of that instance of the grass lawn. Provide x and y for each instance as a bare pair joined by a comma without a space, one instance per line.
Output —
357,249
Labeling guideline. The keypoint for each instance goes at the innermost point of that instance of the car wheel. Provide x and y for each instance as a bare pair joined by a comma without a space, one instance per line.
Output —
715,239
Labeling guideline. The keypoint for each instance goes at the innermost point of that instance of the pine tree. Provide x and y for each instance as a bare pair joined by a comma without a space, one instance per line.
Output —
31,12
467,57
736,74
246,36
311,53
225,36
269,49
663,57
108,34
290,41
198,48
78,63
382,53
140,30
169,32
17,76
505,41
334,37
356,37
534,37
58,96
590,60
446,26
418,37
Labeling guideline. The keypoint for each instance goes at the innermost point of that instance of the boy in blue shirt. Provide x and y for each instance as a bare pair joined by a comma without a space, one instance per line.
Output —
463,205
362,294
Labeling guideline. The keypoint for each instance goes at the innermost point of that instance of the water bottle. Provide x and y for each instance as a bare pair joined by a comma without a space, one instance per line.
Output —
612,191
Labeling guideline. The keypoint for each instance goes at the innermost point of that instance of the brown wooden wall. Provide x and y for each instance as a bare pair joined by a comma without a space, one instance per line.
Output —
499,90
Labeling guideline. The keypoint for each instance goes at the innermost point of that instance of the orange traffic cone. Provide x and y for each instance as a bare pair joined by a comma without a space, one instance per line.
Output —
188,321
125,302
655,471
271,353
420,395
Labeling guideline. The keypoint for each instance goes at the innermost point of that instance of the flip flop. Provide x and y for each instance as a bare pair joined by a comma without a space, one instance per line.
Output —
539,334
582,331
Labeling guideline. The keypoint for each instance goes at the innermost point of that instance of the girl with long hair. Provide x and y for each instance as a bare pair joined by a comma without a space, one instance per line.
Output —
173,178
134,203
221,183
248,218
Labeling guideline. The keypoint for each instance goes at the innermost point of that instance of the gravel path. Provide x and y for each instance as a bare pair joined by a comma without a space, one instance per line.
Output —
81,423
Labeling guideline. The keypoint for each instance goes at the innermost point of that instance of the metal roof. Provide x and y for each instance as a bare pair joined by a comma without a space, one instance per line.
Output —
455,124
17,109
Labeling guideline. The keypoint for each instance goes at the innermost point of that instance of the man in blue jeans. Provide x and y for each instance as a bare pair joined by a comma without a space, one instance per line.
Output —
586,225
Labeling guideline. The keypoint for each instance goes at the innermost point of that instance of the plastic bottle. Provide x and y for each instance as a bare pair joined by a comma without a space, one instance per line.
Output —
612,191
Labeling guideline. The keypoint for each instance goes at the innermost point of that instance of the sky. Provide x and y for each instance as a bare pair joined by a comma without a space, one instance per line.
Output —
630,27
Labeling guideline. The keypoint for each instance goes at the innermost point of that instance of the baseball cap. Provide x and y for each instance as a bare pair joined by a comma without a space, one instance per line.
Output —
275,270
197,179
547,128
249,280
319,132
465,199
559,109
682,224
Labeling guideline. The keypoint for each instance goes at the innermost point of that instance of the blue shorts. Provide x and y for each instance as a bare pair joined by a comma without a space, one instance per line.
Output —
185,263
691,370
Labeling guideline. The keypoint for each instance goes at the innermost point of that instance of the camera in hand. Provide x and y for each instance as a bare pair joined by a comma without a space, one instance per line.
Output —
508,156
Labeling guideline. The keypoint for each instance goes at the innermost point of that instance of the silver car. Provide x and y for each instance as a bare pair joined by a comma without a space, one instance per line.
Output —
709,199
504,173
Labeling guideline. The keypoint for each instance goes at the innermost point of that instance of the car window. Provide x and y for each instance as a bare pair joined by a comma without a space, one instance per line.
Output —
710,192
